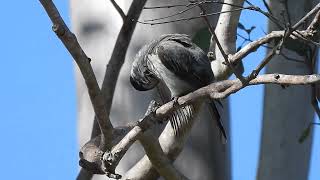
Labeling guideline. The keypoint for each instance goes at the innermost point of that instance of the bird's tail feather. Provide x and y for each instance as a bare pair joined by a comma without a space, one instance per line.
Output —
182,119
216,117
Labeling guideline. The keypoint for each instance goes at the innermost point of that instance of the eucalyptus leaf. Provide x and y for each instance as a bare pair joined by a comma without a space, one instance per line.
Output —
305,134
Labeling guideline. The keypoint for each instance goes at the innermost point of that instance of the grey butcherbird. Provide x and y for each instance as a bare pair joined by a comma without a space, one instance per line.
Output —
182,66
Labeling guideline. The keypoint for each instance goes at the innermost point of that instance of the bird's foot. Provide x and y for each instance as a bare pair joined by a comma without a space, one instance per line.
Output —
175,100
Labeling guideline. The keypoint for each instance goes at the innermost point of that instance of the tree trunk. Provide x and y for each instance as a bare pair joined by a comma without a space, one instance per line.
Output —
96,24
287,110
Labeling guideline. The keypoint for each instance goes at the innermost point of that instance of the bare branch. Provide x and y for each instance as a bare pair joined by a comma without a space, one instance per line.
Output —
71,43
310,34
254,45
225,40
159,159
172,15
118,56
116,61
167,6
216,40
267,6
191,3
264,62
310,13
153,150
119,53
118,8
191,18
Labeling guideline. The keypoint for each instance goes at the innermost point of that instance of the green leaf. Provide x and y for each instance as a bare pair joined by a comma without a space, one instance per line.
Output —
241,26
249,30
305,134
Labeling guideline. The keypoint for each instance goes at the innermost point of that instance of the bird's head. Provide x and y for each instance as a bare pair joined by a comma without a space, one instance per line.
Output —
143,77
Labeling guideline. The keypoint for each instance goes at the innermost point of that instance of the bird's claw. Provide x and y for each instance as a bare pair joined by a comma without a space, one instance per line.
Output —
152,108
175,100
107,160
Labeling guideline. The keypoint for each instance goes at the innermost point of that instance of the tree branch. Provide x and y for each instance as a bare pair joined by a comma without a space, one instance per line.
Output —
159,159
216,40
310,13
116,61
119,52
153,150
71,43
310,34
226,32
118,8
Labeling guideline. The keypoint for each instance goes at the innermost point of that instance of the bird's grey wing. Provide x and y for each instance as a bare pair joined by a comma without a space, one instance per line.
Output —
216,116
186,60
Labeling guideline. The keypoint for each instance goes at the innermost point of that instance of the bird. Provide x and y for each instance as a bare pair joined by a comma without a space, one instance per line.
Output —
183,67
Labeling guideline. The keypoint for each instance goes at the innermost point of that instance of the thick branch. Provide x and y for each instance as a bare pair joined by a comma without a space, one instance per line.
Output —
153,150
217,41
71,43
226,32
159,159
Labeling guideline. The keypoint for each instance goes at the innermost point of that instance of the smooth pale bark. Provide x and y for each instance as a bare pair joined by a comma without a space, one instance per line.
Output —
287,111
96,24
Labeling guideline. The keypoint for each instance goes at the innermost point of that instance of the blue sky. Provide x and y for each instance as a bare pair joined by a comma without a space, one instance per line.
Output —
38,101
38,97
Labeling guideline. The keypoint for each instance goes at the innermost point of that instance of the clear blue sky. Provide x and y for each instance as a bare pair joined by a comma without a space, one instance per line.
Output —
38,101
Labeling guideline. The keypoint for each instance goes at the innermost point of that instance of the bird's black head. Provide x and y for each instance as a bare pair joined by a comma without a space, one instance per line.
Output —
143,76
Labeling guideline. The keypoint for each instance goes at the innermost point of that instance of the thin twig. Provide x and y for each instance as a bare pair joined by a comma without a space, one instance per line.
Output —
310,13
118,8
225,56
274,35
172,15
263,63
267,7
166,6
190,18
191,3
